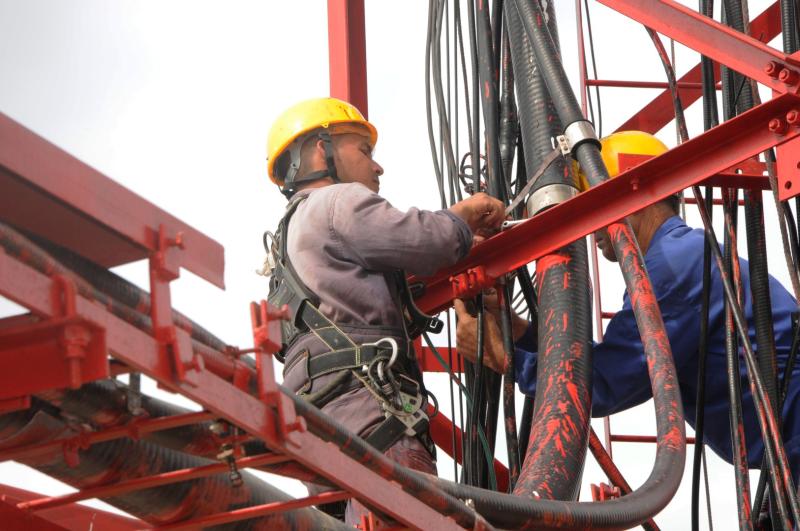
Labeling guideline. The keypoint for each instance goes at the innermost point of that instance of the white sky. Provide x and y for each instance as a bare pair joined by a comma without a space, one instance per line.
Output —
173,99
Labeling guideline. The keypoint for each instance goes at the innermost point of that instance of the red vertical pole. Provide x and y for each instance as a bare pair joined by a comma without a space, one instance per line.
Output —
347,52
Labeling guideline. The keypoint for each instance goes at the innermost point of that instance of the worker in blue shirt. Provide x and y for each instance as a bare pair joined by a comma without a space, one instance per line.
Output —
674,258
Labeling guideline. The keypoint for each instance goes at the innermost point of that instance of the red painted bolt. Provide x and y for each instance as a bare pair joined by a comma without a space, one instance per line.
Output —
788,76
793,117
776,125
772,69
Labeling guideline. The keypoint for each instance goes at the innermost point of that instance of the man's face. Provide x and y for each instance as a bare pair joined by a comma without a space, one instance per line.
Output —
354,164
604,244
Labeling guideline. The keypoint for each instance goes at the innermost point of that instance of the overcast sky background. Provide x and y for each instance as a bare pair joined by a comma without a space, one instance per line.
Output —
173,99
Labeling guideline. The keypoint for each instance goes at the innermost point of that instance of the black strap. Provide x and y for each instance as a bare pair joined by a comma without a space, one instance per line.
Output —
348,358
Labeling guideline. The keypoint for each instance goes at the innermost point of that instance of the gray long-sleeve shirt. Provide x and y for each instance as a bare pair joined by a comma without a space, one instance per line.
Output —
343,240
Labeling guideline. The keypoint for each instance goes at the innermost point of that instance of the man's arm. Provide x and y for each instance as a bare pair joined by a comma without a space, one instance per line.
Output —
381,237
620,375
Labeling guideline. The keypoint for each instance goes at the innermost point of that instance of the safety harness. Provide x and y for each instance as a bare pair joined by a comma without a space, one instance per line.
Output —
375,365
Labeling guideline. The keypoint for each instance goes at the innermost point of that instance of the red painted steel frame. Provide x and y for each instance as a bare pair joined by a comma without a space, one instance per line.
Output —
347,52
73,516
690,163
53,194
725,45
259,418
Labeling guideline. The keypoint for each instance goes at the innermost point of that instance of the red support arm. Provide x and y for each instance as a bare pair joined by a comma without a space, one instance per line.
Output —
690,163
347,49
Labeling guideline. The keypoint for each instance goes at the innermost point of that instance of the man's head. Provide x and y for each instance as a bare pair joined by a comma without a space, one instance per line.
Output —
319,142
621,151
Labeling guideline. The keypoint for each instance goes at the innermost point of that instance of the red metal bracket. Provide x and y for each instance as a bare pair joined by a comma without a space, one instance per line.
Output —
266,336
175,345
603,492
789,169
65,351
470,282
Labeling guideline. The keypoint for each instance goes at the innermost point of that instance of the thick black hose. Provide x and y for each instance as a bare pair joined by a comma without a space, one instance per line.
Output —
789,26
509,124
738,443
539,122
109,462
559,435
422,486
670,456
129,299
560,428
103,404
487,74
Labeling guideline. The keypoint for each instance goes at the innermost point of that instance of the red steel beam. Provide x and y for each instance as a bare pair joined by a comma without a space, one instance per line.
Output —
134,430
47,191
167,478
659,112
725,45
19,520
258,510
690,163
142,352
70,517
347,52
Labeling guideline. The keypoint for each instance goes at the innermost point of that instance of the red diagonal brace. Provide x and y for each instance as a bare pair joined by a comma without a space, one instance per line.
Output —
734,49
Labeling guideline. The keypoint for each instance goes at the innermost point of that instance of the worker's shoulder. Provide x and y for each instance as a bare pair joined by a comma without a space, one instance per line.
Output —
675,257
341,193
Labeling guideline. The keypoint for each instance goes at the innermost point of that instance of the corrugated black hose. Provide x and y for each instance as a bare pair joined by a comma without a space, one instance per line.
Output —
109,462
554,458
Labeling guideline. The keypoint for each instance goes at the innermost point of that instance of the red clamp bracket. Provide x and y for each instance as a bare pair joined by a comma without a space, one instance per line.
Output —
66,350
175,345
470,282
267,339
603,492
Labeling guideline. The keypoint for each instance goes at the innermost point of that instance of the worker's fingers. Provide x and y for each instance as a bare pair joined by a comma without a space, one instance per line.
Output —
461,309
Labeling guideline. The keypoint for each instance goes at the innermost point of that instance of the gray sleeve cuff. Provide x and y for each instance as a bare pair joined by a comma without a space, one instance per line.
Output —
464,233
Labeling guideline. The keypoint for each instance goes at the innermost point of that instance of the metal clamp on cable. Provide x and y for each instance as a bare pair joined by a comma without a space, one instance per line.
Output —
579,132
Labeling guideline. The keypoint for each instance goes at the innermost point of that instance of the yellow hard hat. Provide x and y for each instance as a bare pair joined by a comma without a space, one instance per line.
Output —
307,116
625,143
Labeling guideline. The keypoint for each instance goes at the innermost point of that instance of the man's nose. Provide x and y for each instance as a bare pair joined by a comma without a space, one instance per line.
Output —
378,169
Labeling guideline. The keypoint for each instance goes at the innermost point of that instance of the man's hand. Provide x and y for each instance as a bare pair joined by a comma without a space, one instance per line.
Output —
481,212
467,337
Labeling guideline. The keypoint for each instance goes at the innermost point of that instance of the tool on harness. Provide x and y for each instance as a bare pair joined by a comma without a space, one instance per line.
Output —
371,364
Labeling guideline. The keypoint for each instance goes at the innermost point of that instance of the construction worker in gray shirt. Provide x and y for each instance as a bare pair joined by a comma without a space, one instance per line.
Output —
338,260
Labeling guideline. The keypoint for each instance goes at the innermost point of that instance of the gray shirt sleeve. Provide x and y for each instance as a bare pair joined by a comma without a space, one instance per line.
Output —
380,237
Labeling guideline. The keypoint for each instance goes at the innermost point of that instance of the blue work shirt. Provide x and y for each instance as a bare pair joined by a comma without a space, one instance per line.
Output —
674,262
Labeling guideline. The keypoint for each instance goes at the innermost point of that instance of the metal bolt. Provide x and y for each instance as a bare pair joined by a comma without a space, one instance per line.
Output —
788,76
778,126
793,117
772,69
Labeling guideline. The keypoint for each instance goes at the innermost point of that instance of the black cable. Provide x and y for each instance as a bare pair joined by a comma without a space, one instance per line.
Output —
710,119
476,126
701,372
594,71
489,101
432,10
